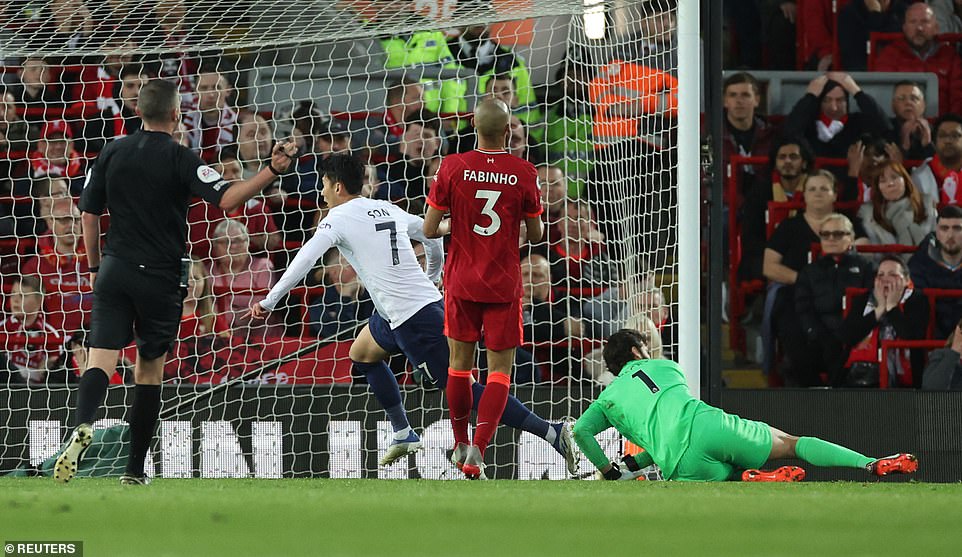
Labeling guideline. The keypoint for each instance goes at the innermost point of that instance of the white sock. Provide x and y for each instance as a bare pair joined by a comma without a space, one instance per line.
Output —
402,434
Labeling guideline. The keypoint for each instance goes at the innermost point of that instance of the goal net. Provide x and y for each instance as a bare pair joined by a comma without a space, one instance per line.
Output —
592,85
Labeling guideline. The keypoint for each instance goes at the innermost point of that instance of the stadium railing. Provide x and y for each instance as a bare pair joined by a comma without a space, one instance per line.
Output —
927,345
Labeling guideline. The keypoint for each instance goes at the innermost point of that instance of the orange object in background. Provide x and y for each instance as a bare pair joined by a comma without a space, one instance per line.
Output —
619,83
632,449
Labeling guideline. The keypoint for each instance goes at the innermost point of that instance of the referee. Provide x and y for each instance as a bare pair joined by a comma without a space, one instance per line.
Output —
145,181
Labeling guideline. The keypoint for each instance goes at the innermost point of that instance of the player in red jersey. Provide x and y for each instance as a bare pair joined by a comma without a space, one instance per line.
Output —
488,194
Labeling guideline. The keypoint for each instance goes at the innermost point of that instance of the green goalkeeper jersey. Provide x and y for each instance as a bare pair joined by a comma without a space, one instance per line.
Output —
650,404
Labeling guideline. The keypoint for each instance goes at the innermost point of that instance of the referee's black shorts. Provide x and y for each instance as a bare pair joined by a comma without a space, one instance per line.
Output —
131,301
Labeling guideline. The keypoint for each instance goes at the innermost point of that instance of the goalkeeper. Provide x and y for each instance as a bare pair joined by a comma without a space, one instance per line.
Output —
649,403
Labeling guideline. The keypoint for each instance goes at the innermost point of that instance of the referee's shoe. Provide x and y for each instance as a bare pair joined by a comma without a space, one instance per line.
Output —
68,461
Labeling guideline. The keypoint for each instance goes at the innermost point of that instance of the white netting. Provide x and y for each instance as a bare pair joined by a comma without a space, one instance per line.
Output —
598,111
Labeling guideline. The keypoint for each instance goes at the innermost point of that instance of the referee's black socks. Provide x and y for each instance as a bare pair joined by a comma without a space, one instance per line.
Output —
143,421
90,395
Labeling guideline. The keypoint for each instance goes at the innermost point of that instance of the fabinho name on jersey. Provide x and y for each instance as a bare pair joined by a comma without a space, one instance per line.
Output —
489,177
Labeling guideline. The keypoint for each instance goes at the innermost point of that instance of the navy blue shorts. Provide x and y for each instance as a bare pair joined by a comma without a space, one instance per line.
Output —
421,339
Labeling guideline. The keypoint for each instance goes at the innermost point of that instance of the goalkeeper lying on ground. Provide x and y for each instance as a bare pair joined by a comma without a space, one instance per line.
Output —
649,403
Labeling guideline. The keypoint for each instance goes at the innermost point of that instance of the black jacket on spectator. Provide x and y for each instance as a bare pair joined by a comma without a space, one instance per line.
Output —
943,372
928,271
869,119
820,289
915,152
910,322
855,22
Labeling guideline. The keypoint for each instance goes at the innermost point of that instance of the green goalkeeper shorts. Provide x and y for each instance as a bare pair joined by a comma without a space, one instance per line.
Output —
721,443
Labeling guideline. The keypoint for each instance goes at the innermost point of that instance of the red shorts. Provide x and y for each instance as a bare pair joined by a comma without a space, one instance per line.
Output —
502,325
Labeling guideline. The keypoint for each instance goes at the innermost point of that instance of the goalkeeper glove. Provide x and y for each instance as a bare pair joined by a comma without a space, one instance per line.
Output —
630,471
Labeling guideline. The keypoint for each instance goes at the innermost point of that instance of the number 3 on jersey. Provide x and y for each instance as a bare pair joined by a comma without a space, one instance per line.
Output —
490,197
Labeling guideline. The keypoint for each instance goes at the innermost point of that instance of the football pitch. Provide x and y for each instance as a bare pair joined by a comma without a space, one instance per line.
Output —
496,518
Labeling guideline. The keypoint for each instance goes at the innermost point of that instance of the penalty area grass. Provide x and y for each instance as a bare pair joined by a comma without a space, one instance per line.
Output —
315,517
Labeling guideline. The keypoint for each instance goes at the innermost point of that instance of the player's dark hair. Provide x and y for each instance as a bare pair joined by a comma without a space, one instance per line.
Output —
617,350
157,99
346,170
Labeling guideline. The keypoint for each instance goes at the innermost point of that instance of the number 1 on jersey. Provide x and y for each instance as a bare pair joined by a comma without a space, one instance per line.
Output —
393,228
640,374
490,197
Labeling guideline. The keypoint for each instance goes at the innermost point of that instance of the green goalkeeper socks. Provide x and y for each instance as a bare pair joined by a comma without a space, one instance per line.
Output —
822,453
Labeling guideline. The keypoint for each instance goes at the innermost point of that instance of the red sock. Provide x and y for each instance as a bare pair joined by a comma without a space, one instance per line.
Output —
460,401
490,408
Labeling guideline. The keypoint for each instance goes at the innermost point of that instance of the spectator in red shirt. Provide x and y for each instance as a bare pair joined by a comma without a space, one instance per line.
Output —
29,363
920,52
255,139
238,278
61,264
582,269
554,197
817,23
211,126
55,155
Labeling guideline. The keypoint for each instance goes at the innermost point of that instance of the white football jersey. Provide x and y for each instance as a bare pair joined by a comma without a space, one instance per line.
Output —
375,238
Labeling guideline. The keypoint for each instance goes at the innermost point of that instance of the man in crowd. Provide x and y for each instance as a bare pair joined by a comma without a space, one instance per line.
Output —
745,133
937,263
918,51
910,129
939,177
211,126
822,115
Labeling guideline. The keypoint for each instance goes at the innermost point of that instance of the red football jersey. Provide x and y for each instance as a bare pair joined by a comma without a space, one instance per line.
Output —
488,194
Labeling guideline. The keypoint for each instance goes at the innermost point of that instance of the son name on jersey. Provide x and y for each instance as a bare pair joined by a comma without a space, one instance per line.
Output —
489,177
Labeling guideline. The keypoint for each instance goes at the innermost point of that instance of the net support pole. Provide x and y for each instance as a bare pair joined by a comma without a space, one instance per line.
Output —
688,220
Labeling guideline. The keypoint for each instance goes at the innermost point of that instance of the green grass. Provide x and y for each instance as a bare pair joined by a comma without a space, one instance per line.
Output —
493,519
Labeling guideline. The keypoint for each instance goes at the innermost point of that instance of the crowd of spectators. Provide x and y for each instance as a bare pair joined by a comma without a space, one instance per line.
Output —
850,226
58,112
852,217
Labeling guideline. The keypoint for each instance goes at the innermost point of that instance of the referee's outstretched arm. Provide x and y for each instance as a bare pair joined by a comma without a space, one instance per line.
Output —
240,192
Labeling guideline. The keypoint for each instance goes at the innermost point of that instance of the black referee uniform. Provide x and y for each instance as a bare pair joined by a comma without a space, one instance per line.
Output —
145,181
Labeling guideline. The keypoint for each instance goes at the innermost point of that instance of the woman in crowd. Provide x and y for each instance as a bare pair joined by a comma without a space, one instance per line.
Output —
787,252
897,212
892,310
